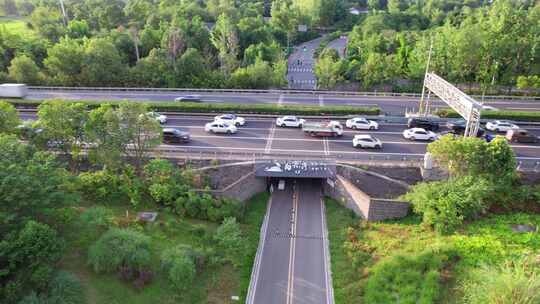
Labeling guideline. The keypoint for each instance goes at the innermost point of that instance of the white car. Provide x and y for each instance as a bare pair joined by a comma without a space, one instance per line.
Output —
419,133
290,121
488,108
220,127
366,141
500,126
361,123
159,117
188,98
230,119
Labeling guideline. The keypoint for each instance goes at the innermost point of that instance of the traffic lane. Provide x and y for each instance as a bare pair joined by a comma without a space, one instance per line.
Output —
272,280
297,146
310,263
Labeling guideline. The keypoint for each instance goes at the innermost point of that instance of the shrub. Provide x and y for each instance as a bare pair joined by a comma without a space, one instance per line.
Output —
408,278
120,247
65,288
97,217
8,117
511,115
100,185
446,204
230,242
516,282
179,265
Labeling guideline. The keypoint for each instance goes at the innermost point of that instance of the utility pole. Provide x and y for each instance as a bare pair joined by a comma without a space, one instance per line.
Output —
64,16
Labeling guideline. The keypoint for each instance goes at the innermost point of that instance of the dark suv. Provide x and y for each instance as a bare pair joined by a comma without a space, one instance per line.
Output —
423,123
171,135
458,127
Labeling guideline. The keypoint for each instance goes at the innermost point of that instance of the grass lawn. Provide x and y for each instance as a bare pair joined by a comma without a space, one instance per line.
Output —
16,25
212,285
357,246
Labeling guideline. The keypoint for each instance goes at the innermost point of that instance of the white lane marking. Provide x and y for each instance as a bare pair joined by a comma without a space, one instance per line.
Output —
362,104
280,100
258,256
321,101
326,146
292,246
270,139
327,264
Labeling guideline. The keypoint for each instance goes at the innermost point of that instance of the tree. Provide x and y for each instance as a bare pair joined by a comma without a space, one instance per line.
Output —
528,82
255,76
24,70
328,69
225,39
473,156
27,257
64,62
141,131
163,180
78,29
179,265
63,127
102,63
9,118
230,241
445,205
120,248
31,183
48,23
103,130
285,17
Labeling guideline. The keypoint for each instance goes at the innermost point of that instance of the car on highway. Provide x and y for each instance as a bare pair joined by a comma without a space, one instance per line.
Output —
361,123
188,98
173,135
290,121
162,119
424,123
500,126
230,119
220,127
458,127
419,134
520,136
488,108
366,141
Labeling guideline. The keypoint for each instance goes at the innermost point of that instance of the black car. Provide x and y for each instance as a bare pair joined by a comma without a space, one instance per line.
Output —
172,135
423,123
458,127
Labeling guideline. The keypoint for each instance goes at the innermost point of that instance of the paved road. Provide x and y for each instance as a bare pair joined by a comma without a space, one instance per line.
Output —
293,264
260,135
390,105
301,63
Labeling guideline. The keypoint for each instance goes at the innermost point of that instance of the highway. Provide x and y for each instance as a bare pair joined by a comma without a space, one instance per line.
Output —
260,135
389,105
293,264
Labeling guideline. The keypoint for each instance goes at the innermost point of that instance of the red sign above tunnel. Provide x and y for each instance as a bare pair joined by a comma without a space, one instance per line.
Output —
296,168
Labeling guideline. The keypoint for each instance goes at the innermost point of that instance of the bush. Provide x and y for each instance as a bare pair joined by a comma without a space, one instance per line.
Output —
511,115
65,288
9,119
100,185
516,282
120,248
408,278
179,265
446,204
188,107
230,242
97,217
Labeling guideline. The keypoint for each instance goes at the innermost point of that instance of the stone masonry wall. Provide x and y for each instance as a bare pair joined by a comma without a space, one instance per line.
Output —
381,209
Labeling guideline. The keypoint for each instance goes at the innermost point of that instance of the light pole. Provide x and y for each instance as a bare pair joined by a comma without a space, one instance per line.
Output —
64,17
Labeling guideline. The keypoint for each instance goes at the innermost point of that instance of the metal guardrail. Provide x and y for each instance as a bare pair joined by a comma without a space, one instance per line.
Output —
523,163
270,91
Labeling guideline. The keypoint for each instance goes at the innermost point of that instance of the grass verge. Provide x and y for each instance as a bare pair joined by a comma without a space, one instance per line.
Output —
225,107
214,284
358,247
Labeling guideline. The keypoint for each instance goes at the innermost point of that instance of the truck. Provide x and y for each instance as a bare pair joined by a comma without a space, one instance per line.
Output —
326,129
13,90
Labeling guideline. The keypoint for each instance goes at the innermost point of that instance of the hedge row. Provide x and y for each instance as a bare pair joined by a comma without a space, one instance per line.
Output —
227,107
509,115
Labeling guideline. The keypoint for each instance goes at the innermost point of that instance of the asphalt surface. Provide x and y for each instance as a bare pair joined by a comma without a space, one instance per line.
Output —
301,63
293,265
260,135
389,105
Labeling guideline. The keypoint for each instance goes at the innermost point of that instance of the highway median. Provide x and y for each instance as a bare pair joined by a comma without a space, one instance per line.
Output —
508,115
190,107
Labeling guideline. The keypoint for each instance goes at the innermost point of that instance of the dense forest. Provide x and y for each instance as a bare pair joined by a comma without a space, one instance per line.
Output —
244,44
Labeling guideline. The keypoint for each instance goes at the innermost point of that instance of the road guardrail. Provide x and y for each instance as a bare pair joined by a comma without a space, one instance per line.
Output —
269,91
